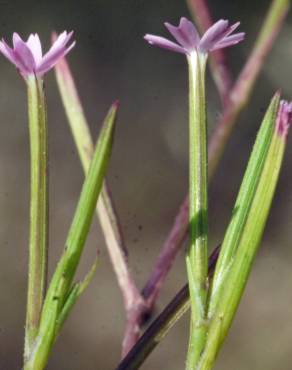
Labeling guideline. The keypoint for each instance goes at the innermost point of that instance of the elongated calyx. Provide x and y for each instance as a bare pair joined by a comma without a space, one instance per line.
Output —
28,57
188,40
284,118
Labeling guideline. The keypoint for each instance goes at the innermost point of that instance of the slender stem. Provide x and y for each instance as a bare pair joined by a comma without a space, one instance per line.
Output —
38,238
84,143
219,68
156,331
108,218
61,288
179,229
162,324
240,98
196,258
135,319
177,235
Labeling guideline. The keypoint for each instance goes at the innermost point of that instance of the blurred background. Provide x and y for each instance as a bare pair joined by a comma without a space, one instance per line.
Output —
148,176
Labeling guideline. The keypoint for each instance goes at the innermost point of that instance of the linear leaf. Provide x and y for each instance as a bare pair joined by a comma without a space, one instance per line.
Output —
62,279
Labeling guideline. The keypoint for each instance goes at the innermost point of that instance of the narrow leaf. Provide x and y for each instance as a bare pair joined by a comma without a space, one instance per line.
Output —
246,227
105,209
74,294
62,279
244,200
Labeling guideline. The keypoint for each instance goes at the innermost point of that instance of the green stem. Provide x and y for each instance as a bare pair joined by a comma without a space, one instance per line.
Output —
38,238
105,209
62,293
196,259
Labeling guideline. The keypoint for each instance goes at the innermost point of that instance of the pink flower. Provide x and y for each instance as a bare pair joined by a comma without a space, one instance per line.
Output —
28,58
188,40
284,118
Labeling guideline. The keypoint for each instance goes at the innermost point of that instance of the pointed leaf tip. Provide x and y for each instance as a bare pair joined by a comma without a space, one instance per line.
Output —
246,226
116,104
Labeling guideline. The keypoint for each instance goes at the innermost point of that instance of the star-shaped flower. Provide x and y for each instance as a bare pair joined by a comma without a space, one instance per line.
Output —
28,57
188,40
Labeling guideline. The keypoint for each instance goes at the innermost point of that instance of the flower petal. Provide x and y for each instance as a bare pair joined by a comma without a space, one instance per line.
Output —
61,42
229,41
48,64
185,34
23,55
7,51
213,35
216,37
15,39
35,47
284,118
163,43
232,28
57,51
12,57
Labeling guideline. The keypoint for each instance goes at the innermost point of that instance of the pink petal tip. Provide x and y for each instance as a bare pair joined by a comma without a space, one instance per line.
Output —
284,118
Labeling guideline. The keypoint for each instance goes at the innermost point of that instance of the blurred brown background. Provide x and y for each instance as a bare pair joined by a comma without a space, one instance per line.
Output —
148,176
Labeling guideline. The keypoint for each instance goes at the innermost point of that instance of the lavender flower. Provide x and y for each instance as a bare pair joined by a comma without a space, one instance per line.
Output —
216,37
28,58
284,118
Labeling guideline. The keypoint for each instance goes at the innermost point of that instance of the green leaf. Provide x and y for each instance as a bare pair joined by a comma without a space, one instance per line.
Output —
60,285
105,209
75,292
244,201
244,233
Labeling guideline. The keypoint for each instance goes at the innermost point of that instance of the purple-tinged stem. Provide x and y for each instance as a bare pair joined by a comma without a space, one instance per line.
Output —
162,324
153,286
220,71
241,91
132,332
